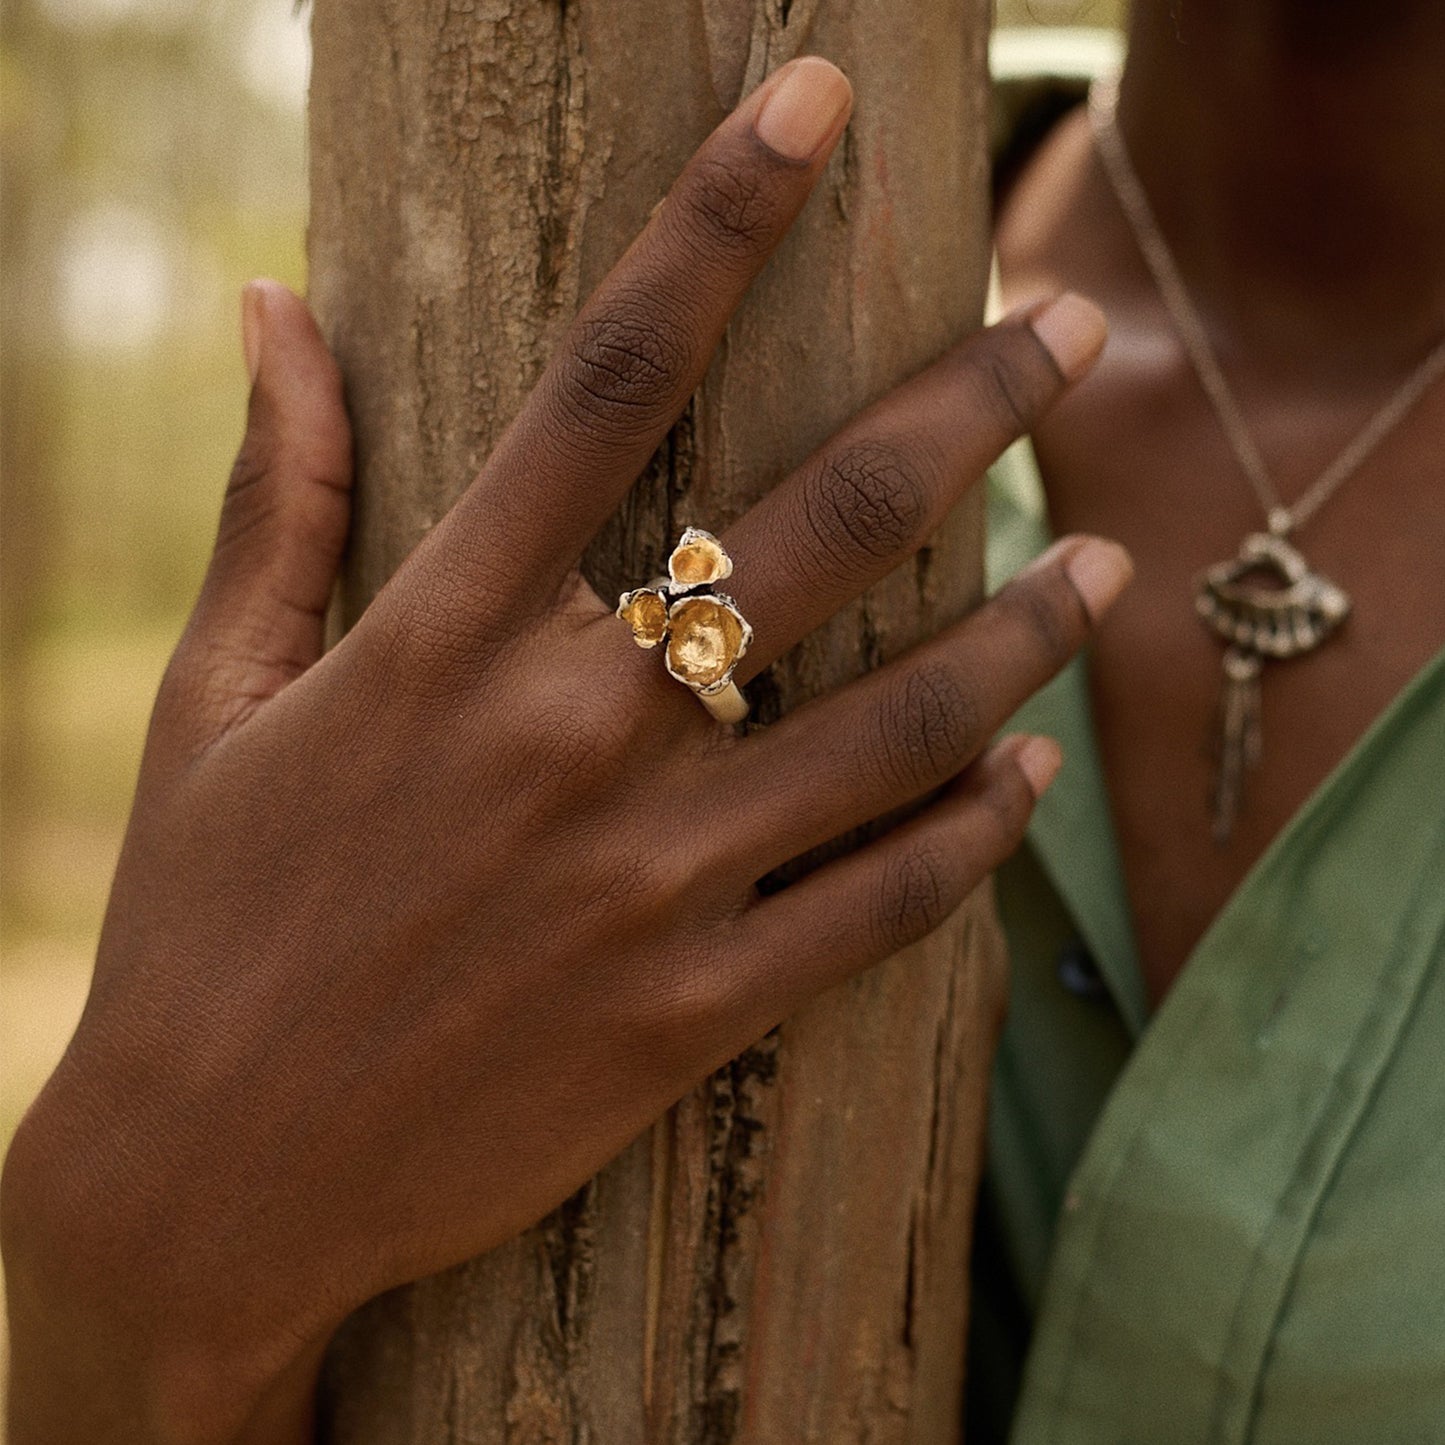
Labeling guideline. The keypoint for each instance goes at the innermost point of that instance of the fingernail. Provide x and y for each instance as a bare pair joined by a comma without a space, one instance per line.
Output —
253,302
804,108
1039,760
1073,331
1100,570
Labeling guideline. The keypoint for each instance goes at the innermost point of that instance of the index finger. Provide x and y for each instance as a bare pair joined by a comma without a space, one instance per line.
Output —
641,344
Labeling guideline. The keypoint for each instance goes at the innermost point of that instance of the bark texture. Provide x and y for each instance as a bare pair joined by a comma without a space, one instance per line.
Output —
783,1257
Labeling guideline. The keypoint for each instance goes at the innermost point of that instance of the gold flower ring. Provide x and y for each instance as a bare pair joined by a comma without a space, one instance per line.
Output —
706,635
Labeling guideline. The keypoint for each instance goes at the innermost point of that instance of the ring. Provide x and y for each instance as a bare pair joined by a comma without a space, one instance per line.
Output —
706,635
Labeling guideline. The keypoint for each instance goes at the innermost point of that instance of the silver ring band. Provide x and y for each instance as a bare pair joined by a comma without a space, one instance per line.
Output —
728,706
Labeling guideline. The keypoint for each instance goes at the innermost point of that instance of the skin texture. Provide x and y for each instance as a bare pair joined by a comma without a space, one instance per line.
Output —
296,1085
1301,189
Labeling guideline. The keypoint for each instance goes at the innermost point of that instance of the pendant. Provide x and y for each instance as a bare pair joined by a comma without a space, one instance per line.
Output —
1267,606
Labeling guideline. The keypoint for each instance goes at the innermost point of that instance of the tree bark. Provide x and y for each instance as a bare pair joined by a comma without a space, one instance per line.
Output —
784,1256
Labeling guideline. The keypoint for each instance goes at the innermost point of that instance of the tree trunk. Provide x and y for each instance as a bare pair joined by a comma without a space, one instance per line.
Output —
783,1257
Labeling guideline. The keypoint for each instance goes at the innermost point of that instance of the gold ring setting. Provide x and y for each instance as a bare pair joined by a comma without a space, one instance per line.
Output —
705,635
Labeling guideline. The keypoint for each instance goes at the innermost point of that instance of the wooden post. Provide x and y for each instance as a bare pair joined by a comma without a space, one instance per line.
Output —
784,1256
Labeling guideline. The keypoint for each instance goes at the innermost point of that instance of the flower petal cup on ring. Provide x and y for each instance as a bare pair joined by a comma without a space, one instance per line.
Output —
706,635
645,612
706,638
698,560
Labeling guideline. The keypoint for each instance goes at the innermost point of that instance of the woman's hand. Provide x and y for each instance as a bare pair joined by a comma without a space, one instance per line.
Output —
408,939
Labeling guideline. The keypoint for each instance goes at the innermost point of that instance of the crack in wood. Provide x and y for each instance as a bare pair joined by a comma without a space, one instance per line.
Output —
543,1404
923,574
568,1243
737,1149
633,544
870,645
555,191
678,465
910,1266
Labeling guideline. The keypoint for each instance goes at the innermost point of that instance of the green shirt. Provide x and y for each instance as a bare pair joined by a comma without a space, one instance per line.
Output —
1224,1223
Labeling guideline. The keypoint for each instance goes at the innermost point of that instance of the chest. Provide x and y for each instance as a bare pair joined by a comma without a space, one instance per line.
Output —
1140,457
1250,1237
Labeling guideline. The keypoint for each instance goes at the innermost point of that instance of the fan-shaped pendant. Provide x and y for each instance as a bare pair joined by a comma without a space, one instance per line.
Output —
1268,606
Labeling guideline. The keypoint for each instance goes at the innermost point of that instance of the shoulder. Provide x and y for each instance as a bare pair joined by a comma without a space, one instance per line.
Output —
1054,226
1039,74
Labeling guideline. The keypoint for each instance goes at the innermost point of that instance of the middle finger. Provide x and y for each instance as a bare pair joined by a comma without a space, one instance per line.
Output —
872,494
642,342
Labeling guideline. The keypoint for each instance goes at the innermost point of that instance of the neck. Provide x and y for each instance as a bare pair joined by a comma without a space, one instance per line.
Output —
1292,151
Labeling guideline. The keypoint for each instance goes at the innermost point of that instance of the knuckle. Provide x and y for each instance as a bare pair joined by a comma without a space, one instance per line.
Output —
644,891
421,654
626,367
579,745
867,502
729,205
928,726
916,894
686,1003
1049,613
628,882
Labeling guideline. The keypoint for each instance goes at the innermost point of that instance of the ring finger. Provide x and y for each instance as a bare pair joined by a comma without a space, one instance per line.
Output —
909,727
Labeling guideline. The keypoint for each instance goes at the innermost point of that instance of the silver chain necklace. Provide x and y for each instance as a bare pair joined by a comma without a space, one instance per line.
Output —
1298,609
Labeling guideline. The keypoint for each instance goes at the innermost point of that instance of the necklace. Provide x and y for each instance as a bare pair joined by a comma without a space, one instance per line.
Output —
1266,604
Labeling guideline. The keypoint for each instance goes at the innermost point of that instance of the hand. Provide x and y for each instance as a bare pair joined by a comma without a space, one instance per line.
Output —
409,939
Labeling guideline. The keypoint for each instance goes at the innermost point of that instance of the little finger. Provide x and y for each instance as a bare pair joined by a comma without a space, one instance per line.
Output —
862,908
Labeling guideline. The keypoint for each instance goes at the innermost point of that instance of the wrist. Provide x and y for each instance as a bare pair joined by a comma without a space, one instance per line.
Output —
116,1333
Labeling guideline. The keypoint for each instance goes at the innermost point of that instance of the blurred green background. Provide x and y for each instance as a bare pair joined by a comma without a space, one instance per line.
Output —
153,156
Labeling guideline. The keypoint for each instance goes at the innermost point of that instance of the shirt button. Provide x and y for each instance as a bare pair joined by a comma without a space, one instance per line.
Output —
1079,974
